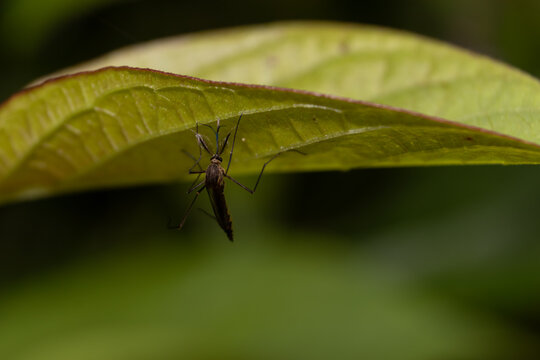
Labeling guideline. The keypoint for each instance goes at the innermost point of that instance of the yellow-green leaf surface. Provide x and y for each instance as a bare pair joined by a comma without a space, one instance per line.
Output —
121,126
360,62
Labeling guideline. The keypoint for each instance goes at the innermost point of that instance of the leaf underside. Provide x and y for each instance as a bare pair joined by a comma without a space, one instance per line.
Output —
126,126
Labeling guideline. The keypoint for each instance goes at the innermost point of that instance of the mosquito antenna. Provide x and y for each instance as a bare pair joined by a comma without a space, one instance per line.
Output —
233,141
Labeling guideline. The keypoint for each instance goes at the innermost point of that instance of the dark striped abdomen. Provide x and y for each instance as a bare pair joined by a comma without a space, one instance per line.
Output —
215,186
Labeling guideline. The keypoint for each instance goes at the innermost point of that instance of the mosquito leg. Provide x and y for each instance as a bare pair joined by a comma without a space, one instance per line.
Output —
224,144
216,132
233,141
189,209
240,184
200,138
194,187
260,174
217,136
197,161
258,179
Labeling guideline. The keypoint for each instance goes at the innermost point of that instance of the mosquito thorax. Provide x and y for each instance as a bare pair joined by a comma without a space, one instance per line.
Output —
216,159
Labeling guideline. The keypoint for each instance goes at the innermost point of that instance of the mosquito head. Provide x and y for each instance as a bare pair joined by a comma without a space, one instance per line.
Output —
217,158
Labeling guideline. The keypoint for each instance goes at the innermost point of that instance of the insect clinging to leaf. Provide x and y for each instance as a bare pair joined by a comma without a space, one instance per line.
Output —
215,174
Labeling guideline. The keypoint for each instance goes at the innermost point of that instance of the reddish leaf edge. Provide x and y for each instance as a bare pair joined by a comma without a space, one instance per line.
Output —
440,120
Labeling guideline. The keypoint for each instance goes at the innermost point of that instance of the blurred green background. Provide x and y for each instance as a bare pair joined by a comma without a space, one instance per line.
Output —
405,263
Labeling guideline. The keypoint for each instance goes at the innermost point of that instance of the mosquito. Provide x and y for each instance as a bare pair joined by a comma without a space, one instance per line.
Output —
215,175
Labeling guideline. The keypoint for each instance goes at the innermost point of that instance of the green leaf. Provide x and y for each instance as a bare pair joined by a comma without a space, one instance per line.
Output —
360,62
121,126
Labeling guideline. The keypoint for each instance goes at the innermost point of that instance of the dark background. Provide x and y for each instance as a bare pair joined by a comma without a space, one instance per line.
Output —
466,235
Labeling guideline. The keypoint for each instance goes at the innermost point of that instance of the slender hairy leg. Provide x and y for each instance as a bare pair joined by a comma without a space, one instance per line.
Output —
195,187
191,171
197,162
202,145
179,226
224,144
200,139
258,179
233,141
216,132
260,174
